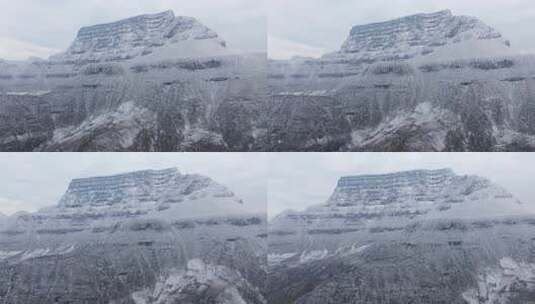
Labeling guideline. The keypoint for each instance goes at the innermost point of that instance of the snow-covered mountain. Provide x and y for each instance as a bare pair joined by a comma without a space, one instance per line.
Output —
147,83
423,35
428,82
117,239
141,36
424,236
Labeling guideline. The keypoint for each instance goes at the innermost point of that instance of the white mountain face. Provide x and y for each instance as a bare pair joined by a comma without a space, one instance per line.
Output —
407,237
148,83
128,232
428,82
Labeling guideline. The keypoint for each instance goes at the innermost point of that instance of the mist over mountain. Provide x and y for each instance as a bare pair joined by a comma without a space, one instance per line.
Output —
423,236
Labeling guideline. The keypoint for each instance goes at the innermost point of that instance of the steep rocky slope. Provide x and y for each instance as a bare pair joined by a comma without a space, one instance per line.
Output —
141,237
428,82
409,237
147,83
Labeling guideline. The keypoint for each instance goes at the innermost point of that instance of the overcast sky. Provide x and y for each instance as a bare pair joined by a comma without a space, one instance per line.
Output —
43,27
299,180
29,181
313,27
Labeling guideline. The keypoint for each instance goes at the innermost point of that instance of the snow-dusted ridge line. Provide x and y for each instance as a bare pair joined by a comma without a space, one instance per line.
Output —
348,180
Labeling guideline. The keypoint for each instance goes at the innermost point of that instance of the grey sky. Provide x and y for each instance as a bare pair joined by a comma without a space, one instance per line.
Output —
42,27
29,181
313,27
299,180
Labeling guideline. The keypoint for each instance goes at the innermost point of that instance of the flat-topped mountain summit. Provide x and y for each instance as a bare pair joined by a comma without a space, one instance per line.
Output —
158,186
135,36
420,35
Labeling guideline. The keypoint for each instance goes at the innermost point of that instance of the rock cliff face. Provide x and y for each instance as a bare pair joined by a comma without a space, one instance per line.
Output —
148,83
429,82
419,236
117,239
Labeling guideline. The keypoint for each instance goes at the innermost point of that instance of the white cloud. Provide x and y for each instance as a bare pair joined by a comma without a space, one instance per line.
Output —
285,49
9,206
13,49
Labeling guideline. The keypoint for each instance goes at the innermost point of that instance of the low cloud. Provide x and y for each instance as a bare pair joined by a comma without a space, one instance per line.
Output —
285,49
20,50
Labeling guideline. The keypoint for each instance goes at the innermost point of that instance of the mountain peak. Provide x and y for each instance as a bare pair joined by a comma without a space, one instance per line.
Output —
135,36
421,35
147,186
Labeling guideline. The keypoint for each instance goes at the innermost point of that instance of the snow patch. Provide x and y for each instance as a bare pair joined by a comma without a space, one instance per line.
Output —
314,255
33,94
274,259
497,285
179,285
8,254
